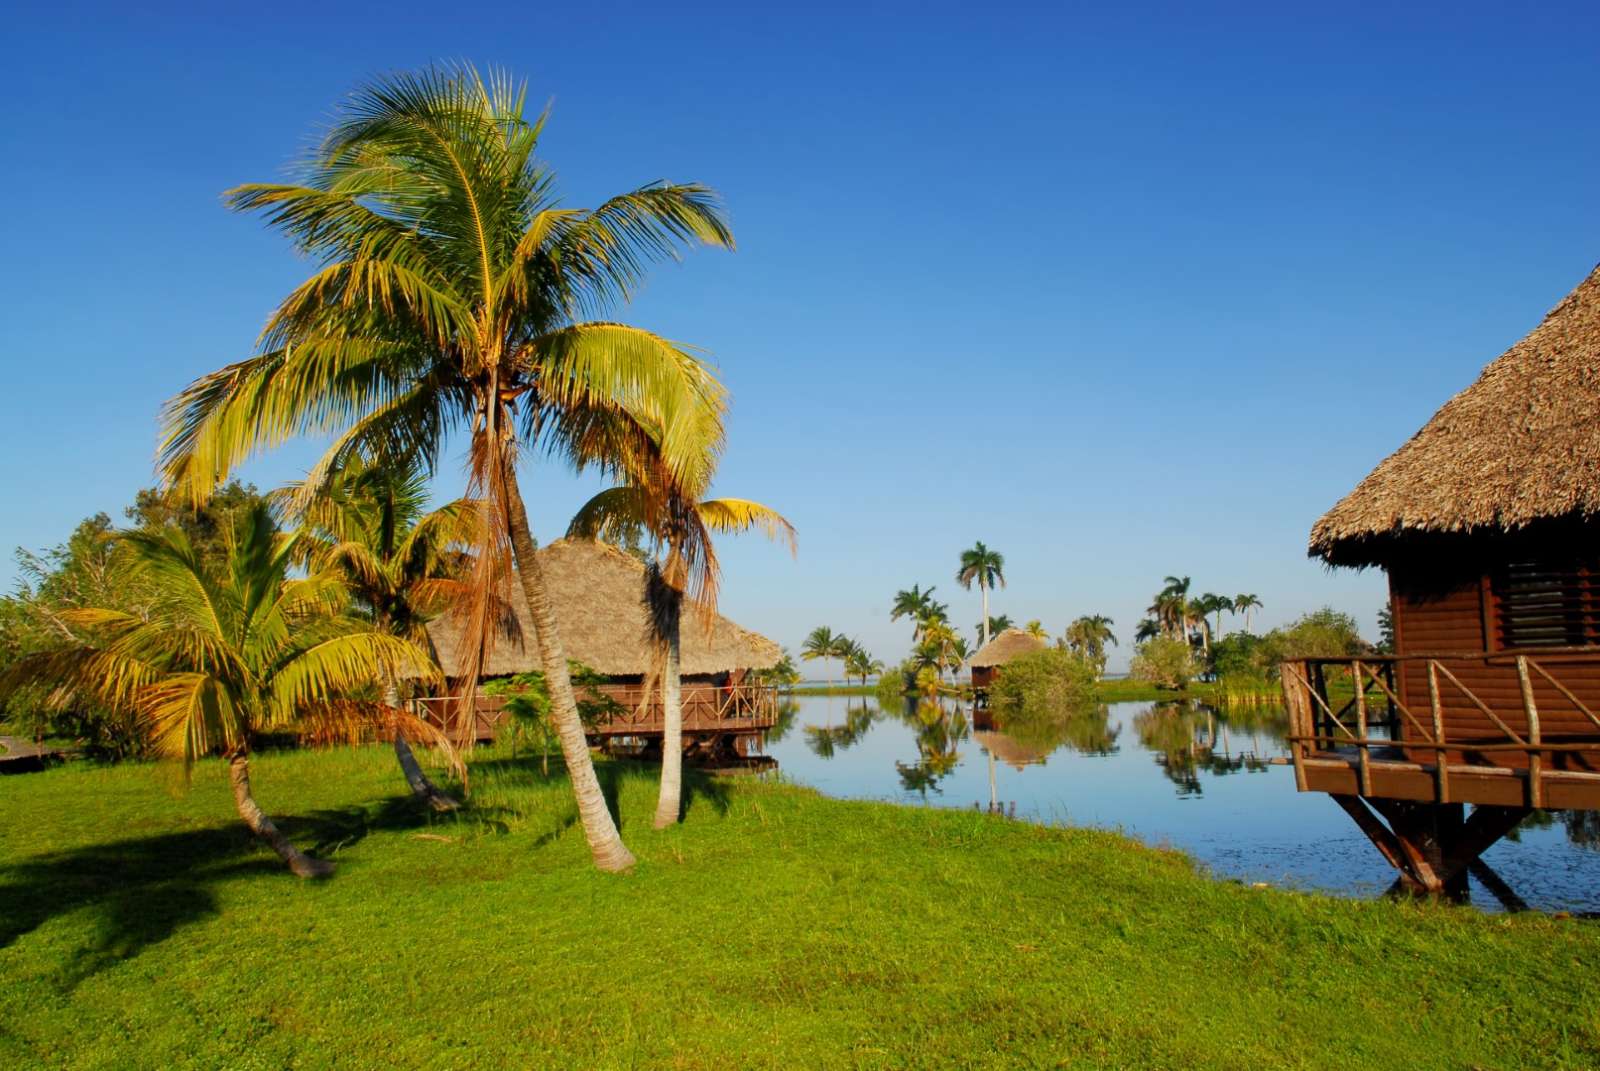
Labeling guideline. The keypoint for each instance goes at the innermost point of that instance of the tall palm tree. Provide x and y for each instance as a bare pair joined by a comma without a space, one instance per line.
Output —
1244,604
986,568
224,654
687,567
369,525
861,664
821,643
454,294
1203,607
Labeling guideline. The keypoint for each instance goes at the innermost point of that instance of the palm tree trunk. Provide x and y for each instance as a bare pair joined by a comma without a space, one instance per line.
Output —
421,787
983,589
670,803
301,864
599,829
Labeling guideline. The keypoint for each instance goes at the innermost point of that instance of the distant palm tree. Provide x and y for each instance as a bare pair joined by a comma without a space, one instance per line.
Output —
1035,628
1149,628
914,604
822,643
1244,604
858,663
225,654
986,568
1206,605
1088,636
993,627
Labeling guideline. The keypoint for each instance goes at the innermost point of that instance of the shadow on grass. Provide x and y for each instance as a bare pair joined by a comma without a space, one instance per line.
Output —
699,785
143,890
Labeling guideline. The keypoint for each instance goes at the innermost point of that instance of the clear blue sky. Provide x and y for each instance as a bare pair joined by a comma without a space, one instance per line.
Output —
1122,291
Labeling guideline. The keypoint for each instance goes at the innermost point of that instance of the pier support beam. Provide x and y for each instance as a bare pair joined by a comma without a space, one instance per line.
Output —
1432,845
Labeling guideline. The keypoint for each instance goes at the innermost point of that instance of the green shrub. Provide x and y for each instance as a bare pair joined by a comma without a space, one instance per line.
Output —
1044,681
1164,662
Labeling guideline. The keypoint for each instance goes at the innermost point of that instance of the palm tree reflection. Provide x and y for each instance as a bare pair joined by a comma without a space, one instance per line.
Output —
940,729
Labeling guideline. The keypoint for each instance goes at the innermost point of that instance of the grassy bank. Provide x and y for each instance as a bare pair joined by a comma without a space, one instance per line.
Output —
141,928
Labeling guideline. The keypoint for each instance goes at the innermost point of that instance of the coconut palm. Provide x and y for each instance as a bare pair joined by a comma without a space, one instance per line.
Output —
861,664
402,566
1088,636
986,568
993,627
687,566
453,294
226,653
821,643
1244,604
1036,629
919,605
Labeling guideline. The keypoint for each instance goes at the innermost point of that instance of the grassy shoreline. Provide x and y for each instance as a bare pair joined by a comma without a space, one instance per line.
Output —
774,928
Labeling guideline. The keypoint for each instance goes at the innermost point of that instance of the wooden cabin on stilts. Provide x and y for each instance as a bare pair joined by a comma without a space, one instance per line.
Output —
987,662
596,592
1487,523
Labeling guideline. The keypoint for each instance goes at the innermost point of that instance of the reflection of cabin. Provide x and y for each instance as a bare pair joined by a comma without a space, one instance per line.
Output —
596,592
1010,644
1486,523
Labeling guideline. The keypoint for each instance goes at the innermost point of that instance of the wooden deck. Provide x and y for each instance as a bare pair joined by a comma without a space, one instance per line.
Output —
1403,773
711,715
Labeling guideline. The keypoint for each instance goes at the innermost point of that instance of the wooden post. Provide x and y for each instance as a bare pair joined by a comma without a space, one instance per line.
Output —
1292,679
1361,729
1441,758
1535,760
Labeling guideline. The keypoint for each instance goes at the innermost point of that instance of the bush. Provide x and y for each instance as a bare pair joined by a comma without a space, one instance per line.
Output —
1044,681
1164,662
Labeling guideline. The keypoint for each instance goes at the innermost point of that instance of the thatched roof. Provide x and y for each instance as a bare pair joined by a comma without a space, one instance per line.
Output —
596,590
1012,643
1519,445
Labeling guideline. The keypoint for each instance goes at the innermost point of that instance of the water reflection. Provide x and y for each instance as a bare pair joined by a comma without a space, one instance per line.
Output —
1209,781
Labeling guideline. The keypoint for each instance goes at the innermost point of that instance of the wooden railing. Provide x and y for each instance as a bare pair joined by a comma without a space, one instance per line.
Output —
706,708
1376,718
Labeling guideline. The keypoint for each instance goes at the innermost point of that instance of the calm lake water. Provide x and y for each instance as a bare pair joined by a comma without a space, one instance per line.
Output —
1172,775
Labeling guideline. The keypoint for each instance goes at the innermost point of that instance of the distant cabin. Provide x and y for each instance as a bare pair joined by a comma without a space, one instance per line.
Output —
1011,644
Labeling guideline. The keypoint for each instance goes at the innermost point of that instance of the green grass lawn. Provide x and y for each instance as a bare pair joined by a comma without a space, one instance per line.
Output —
141,928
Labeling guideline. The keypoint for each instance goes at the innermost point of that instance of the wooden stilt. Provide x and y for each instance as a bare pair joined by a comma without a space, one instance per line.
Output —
1431,845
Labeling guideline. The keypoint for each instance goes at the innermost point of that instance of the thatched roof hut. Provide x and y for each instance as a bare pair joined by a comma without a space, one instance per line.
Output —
1012,643
1520,445
596,591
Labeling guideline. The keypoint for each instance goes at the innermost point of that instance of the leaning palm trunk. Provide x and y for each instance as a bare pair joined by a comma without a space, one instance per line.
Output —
670,803
605,843
422,787
301,864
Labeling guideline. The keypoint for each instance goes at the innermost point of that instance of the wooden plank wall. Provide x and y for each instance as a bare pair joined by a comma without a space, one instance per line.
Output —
1440,614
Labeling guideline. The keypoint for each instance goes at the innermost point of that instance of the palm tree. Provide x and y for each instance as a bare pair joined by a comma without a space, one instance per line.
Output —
1088,636
940,647
915,604
985,567
821,643
861,664
454,294
401,566
1244,604
226,653
1036,629
682,531
993,627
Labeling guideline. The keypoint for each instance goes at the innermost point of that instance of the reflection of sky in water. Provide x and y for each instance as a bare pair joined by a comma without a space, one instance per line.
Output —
1249,824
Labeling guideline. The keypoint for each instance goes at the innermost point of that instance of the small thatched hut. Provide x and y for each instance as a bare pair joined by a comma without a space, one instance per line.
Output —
1488,524
1010,644
596,591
